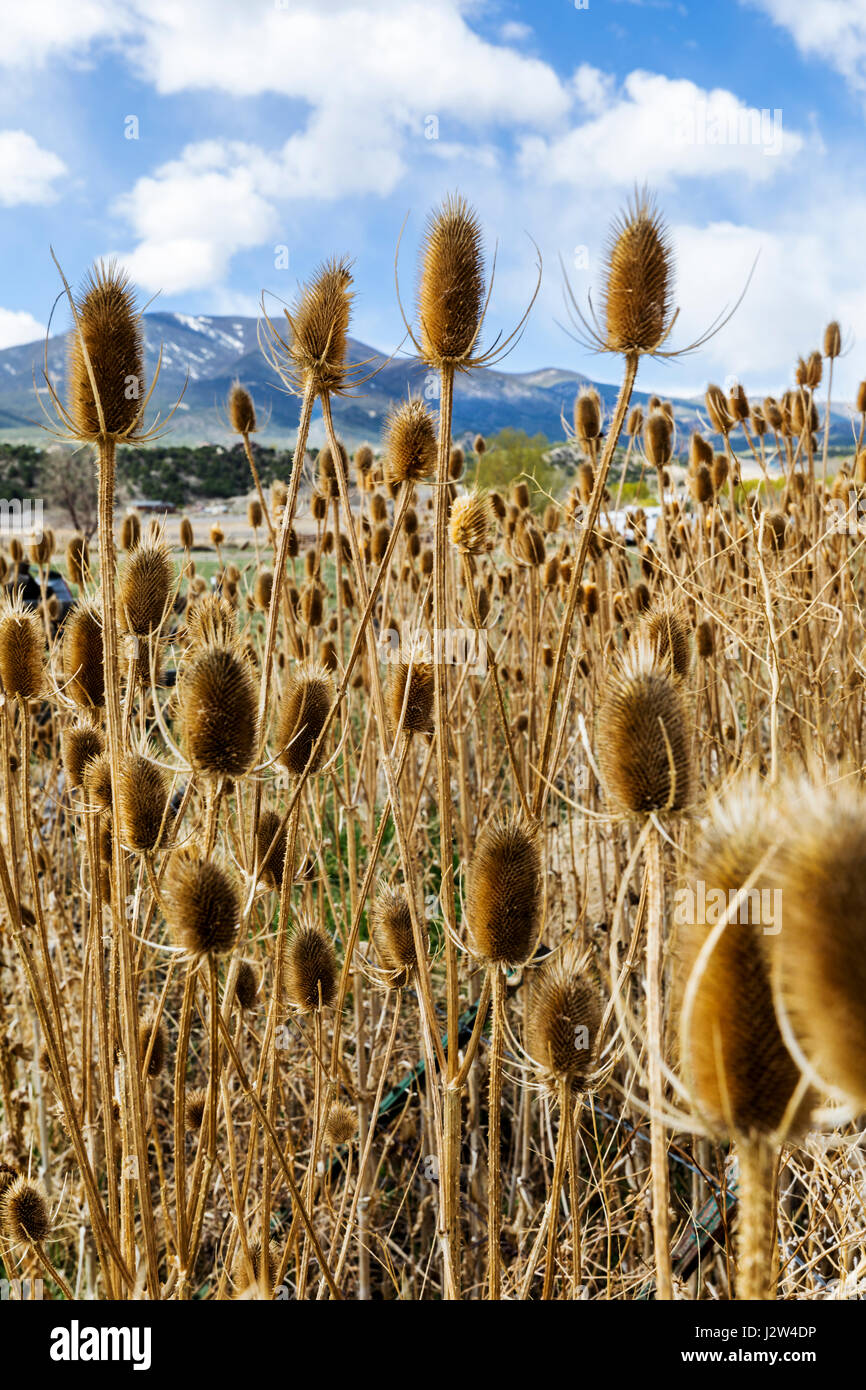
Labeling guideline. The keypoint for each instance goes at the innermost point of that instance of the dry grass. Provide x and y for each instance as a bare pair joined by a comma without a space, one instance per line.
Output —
256,921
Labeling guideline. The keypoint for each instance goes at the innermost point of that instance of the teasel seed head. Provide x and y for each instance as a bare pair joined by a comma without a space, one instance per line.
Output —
669,632
80,743
736,1064
643,736
341,1125
142,798
638,281
242,412
658,439
211,619
195,1109
319,324
456,463
410,443
309,973
160,1046
418,715
528,544
700,451
304,707
271,861
701,484
144,584
187,535
77,559
97,781
587,416
109,333
504,891
217,701
391,933
247,986
328,484
82,655
21,648
719,471
452,285
704,640
202,905
775,530
819,957
470,522
717,409
24,1213
564,1020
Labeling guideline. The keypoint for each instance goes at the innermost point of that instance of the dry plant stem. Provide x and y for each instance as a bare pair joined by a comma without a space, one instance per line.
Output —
756,1227
255,472
616,424
559,1165
128,997
494,1122
286,1170
658,1147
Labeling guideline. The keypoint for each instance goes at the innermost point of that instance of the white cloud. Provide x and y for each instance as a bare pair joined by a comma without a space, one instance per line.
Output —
27,172
41,29
514,32
193,214
17,326
833,30
660,130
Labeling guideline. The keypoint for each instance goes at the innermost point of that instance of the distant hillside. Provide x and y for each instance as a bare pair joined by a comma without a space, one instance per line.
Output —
215,351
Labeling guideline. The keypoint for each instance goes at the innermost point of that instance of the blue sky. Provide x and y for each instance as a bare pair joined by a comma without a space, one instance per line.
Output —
316,127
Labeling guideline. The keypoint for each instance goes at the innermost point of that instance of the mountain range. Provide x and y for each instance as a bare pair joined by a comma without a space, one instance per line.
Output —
203,355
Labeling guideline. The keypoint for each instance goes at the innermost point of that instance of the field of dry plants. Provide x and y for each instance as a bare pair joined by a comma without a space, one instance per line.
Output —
453,901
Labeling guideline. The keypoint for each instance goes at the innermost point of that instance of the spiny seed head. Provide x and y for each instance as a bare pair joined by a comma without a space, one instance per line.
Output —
341,1125
564,1020
305,706
247,986
143,585
263,589
328,468
202,905
700,451
217,702
187,535
391,932
451,286
77,559
587,415
832,339
211,619
701,484
262,1265
309,968
638,288
21,644
194,1110
470,522
643,736
80,743
669,632
736,1063
456,463
528,543
109,336
142,797
255,515
271,861
242,412
819,957
83,668
418,715
658,439
410,443
775,529
24,1211
97,781
160,1046
717,409
504,891
704,640
319,324
130,531
719,471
